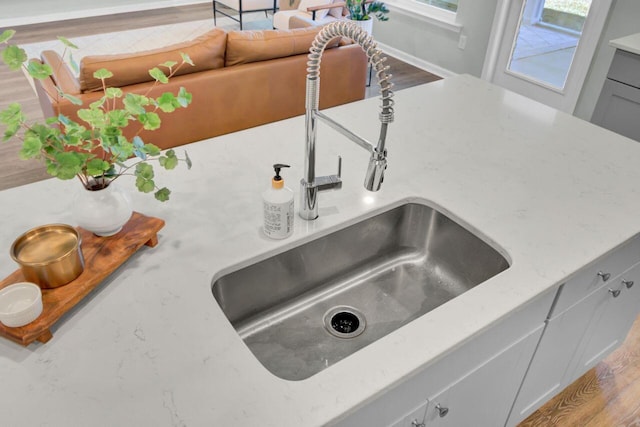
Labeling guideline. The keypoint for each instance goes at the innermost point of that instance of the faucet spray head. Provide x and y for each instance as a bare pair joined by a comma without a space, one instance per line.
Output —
375,171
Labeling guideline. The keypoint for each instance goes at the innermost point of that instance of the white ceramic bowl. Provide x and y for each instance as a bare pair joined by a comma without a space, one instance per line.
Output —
20,303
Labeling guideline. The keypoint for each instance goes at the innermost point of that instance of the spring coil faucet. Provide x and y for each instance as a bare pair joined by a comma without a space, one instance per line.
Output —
310,185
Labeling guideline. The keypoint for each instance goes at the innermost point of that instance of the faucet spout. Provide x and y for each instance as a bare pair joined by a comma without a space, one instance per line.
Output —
310,184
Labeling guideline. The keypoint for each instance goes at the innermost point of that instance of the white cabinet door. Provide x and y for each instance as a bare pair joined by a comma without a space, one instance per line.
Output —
579,338
551,363
483,397
610,325
618,108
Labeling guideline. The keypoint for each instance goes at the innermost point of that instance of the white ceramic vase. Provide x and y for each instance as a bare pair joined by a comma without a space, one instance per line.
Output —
103,212
365,25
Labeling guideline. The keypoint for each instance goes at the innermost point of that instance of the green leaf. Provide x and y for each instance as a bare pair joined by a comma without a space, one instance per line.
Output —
73,99
97,104
135,104
97,167
67,43
121,148
138,148
31,146
187,160
167,102
138,142
158,75
186,58
70,125
39,71
6,35
74,64
162,194
110,137
113,92
118,118
52,120
150,121
151,149
68,164
145,185
13,118
170,161
10,131
144,170
95,118
102,74
168,64
11,114
14,57
184,97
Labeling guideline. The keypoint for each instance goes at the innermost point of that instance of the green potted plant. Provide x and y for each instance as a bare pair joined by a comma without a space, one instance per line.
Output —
363,10
92,147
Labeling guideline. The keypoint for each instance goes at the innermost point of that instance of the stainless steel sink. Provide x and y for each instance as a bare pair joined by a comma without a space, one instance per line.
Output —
305,309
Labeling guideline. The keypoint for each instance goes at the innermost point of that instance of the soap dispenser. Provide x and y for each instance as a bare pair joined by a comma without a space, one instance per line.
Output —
277,203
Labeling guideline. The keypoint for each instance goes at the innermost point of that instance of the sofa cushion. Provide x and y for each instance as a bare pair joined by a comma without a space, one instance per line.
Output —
244,47
305,4
337,12
206,51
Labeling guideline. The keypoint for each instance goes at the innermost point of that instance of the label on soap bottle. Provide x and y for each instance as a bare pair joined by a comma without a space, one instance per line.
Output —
278,219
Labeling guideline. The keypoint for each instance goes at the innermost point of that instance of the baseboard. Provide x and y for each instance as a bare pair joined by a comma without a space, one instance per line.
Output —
101,11
416,62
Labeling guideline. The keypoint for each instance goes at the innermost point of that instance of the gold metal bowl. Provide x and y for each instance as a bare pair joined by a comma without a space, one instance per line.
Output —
49,255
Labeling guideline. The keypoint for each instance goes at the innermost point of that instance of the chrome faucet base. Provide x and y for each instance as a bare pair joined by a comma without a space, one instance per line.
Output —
308,201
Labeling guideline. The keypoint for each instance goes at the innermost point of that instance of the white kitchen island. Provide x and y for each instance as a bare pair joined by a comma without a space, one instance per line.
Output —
151,347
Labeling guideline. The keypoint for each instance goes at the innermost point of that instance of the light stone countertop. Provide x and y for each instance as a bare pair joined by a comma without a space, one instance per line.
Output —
151,347
628,43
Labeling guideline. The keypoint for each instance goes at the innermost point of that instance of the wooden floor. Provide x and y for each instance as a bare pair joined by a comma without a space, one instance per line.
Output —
14,86
608,395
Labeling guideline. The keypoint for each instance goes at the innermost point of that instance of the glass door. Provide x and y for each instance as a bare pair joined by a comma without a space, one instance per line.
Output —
544,47
548,36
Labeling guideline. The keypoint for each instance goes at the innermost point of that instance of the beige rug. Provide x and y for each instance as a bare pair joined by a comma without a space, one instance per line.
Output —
142,39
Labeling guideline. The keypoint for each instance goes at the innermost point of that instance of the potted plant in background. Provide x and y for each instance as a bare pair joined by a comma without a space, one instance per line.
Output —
361,12
92,147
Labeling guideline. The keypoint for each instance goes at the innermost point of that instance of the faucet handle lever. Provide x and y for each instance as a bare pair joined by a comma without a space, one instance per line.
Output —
330,181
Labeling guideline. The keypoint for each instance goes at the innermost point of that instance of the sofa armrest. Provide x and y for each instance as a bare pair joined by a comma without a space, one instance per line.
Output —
62,76
314,9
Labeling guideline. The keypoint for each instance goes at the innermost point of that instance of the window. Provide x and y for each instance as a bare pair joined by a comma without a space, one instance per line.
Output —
450,5
442,13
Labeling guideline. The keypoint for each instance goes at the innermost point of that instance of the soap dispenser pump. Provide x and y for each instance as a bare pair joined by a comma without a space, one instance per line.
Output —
277,203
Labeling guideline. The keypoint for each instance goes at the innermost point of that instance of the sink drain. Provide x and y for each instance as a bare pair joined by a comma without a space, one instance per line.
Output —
344,322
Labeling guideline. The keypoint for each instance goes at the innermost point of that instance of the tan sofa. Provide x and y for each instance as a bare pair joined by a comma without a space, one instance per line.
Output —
241,79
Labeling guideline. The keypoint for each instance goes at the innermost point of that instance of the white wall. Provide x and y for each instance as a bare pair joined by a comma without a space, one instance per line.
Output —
623,20
439,46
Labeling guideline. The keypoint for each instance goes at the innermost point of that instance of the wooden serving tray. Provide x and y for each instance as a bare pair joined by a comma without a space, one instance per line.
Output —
102,255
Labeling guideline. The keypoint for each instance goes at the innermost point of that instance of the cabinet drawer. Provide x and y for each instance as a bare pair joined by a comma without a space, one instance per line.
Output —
625,68
588,280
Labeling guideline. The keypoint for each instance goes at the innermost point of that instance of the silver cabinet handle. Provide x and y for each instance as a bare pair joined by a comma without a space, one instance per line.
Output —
627,283
442,411
416,423
614,293
605,276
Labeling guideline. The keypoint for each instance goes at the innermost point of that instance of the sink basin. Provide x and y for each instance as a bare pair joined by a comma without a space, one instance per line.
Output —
305,309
